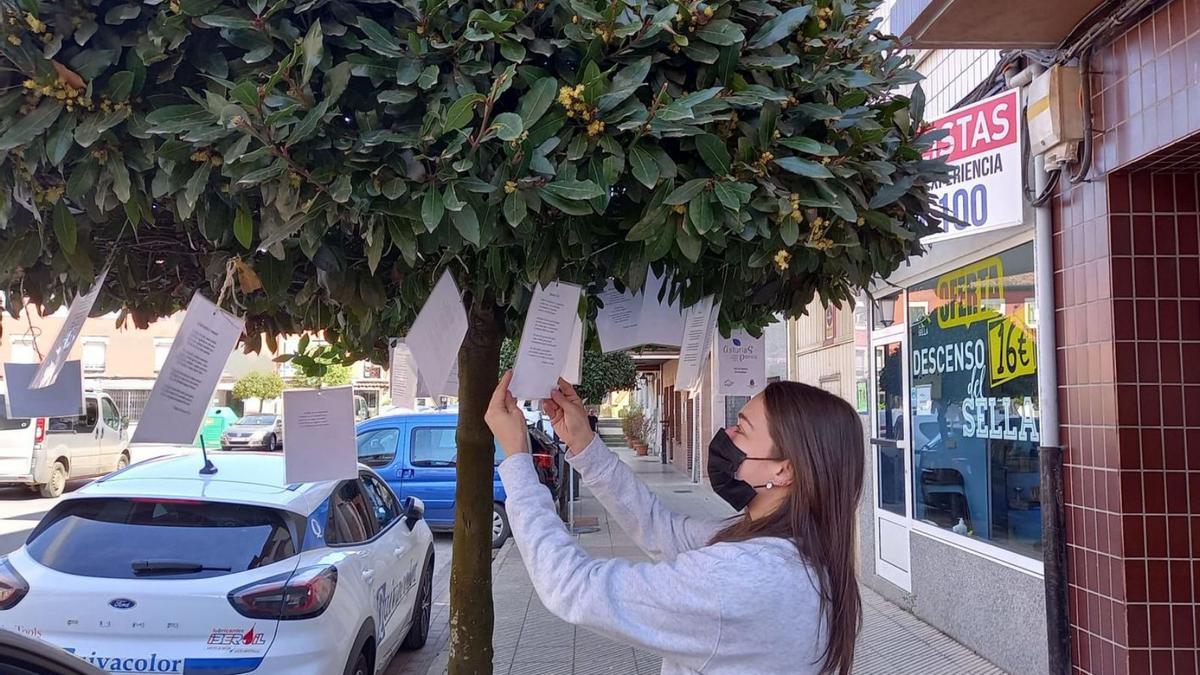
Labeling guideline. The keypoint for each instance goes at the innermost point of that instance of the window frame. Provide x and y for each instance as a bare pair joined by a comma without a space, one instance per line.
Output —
381,430
367,477
85,343
330,523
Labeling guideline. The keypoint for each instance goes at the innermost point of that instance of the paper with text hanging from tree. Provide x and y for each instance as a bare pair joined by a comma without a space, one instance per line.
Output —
573,372
77,315
402,372
63,398
545,340
189,375
741,364
319,427
699,326
630,319
436,336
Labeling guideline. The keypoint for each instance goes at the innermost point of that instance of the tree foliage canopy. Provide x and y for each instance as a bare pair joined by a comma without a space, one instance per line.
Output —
333,156
601,373
258,385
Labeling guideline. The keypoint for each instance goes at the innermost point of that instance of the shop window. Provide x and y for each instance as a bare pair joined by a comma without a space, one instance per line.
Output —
95,355
23,350
975,426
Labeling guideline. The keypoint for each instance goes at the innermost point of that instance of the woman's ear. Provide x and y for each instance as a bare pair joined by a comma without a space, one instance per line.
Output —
784,475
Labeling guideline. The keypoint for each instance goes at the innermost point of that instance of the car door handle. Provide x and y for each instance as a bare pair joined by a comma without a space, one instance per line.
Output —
368,576
408,473
398,551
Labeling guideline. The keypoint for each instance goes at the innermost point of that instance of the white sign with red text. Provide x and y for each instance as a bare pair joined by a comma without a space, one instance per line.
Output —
983,149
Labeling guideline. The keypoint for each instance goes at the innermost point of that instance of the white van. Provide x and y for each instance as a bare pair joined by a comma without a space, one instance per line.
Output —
43,452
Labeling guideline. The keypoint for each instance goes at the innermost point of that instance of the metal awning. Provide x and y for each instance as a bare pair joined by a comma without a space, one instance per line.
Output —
986,24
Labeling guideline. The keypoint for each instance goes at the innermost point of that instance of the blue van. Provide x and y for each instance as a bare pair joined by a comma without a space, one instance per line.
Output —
417,454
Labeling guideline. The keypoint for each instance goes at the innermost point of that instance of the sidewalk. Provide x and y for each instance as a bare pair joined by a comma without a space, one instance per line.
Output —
530,641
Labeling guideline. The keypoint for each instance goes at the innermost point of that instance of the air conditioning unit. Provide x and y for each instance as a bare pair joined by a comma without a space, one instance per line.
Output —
1054,112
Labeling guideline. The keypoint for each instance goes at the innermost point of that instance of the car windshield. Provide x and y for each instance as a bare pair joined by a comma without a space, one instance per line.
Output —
110,538
7,424
257,420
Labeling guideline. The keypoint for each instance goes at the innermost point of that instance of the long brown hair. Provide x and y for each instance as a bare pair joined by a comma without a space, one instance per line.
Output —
822,436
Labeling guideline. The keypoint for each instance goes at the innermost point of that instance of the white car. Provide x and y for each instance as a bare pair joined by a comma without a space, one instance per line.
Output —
160,569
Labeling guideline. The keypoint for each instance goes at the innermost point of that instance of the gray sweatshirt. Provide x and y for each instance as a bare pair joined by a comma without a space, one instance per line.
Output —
744,608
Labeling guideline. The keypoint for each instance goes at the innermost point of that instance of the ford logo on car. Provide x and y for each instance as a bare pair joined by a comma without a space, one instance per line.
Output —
121,603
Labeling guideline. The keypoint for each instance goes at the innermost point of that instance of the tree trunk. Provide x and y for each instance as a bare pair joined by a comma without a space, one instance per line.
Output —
471,615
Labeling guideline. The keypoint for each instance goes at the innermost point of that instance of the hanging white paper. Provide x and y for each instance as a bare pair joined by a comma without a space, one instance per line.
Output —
661,323
573,372
189,376
545,340
403,376
632,319
617,321
63,398
61,349
436,336
741,364
319,427
699,322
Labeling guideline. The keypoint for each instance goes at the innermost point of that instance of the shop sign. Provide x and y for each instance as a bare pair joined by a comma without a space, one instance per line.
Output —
983,149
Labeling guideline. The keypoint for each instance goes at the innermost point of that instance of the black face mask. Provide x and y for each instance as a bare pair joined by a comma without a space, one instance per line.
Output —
724,459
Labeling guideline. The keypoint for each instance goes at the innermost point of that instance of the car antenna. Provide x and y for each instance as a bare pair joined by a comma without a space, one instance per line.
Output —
209,468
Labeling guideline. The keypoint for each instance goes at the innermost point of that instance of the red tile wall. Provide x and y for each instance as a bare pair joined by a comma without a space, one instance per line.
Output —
1127,287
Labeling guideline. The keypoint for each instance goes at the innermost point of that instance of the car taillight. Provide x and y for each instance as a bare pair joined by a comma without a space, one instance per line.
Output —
544,461
13,586
303,594
39,430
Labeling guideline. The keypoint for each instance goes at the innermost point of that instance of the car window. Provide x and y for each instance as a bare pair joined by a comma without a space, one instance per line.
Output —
8,424
377,447
103,537
434,446
350,517
257,420
111,417
438,447
383,502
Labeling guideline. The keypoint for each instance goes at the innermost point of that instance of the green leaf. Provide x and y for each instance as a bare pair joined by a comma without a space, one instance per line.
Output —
808,145
686,192
461,112
432,209
804,167
779,28
198,7
255,177
429,77
728,197
309,124
64,227
121,13
60,140
450,199
514,209
120,176
93,126
120,85
721,32
574,190
245,93
380,35
336,79
314,49
243,228
645,169
700,213
30,126
689,244
789,231
770,62
513,51
225,21
195,185
714,153
508,126
567,206
397,96
341,188
467,223
394,189
819,111
537,100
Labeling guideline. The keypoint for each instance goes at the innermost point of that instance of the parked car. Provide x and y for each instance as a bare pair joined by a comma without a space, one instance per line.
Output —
159,569
361,410
42,453
254,432
417,454
23,655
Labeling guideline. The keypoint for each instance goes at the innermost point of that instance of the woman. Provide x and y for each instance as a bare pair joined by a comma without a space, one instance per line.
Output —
772,590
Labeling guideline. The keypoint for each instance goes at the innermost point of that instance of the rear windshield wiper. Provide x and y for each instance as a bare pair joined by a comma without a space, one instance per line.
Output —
141,567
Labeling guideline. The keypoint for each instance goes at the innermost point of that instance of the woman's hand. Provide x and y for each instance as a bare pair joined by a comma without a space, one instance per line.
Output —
568,417
505,419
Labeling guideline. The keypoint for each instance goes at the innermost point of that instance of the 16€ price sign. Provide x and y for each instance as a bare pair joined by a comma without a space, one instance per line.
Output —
1012,349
